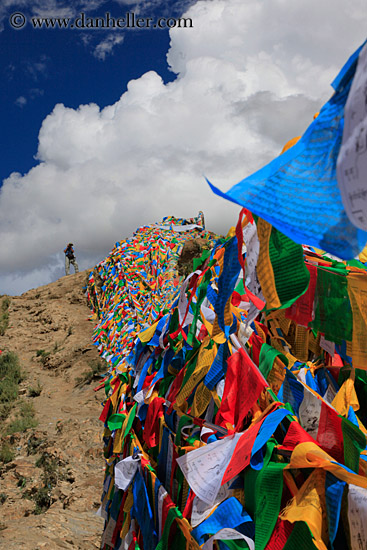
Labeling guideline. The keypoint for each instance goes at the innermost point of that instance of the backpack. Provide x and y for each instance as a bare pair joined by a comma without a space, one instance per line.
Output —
70,254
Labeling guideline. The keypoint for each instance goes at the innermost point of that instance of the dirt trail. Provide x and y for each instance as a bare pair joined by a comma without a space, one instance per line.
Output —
54,318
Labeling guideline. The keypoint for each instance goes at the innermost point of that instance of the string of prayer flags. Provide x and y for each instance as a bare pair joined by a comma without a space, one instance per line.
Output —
235,406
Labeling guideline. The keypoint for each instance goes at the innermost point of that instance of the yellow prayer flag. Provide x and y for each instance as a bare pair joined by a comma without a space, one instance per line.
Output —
148,334
309,505
345,398
309,455
265,271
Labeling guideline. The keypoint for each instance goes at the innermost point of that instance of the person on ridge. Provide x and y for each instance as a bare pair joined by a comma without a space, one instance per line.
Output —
70,259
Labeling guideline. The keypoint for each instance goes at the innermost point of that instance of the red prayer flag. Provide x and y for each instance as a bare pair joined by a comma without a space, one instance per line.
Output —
295,435
243,386
280,535
242,452
151,427
330,433
301,310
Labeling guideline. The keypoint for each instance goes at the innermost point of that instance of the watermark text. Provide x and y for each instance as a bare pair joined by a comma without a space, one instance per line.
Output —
129,21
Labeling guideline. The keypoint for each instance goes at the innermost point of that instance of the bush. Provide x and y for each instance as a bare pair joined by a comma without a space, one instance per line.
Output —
5,303
22,482
42,499
10,376
8,390
6,453
20,425
5,409
4,315
35,391
25,419
9,367
50,469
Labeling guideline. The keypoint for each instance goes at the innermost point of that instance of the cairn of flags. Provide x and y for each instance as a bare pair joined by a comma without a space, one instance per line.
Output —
236,400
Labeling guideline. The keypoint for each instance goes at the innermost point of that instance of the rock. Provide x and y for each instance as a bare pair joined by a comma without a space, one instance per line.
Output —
192,248
24,468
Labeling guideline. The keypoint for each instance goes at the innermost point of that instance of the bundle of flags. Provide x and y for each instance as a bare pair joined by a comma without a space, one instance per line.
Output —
235,404
136,282
236,419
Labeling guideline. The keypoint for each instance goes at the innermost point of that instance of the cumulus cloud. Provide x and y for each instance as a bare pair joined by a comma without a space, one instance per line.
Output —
250,76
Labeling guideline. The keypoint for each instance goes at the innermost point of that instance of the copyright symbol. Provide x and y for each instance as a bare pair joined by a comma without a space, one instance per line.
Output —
17,20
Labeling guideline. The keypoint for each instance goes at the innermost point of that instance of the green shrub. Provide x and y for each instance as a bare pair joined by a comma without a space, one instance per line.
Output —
8,390
5,303
22,482
6,453
24,420
50,467
26,409
20,425
4,315
35,391
42,499
9,367
42,353
5,409
10,376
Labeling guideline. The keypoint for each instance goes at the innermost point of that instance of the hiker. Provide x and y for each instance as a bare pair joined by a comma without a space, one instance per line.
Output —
70,259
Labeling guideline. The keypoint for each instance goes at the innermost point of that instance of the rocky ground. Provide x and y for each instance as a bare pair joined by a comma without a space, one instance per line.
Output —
50,490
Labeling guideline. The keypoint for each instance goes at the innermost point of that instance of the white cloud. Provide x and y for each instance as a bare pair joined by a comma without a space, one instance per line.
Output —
21,101
107,45
249,77
166,7
33,93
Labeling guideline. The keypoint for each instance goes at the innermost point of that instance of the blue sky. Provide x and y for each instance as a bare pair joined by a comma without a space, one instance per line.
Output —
103,131
42,67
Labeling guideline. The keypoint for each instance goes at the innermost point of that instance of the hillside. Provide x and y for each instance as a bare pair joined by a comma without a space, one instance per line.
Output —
59,462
